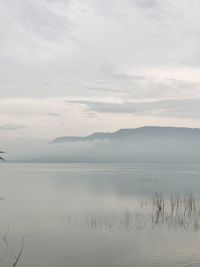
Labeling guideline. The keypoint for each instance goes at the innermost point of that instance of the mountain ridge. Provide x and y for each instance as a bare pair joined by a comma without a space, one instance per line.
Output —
129,132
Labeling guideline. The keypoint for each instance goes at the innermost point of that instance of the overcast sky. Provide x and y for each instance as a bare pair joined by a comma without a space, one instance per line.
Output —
73,67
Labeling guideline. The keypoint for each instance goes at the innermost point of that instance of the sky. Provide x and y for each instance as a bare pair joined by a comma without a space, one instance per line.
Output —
74,67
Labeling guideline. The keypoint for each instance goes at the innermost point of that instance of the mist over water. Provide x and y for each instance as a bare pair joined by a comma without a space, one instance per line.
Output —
149,144
100,214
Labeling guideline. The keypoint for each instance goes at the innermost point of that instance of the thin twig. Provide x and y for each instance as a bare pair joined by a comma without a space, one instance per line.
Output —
20,253
5,237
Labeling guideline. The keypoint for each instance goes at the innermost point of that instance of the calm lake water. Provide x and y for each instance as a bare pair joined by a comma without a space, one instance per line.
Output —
98,215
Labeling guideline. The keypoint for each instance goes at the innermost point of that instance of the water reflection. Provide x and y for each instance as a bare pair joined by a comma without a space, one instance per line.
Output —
100,215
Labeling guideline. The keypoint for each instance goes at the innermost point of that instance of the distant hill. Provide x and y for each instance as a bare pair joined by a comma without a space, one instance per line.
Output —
146,132
148,144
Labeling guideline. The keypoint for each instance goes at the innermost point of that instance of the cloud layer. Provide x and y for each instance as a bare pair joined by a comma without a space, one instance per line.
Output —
183,108
133,60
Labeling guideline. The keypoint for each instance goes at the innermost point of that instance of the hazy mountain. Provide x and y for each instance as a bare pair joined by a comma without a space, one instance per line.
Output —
92,137
145,145
146,133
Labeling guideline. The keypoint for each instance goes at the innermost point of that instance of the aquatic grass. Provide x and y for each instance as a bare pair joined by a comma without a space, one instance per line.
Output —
173,211
122,220
176,210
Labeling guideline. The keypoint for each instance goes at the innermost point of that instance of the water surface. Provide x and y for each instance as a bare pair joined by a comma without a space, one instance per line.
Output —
93,215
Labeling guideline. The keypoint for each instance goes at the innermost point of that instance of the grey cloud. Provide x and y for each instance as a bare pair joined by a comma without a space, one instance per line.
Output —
109,79
53,114
98,49
51,42
147,3
111,72
164,108
92,115
47,19
107,89
141,87
48,84
12,127
167,88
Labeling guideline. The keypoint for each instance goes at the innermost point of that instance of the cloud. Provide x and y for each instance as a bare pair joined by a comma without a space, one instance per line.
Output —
12,127
128,57
58,42
45,19
163,108
147,3
53,114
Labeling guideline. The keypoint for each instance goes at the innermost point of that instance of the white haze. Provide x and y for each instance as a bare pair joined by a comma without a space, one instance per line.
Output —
151,148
